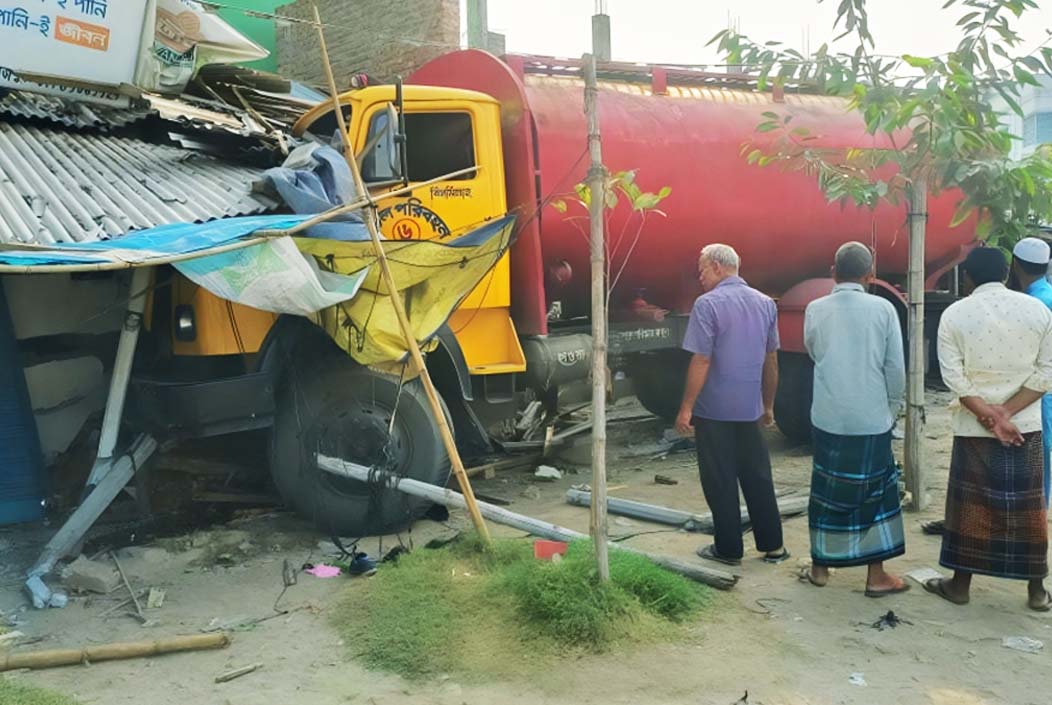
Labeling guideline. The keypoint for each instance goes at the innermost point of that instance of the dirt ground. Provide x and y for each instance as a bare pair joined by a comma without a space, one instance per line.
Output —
782,641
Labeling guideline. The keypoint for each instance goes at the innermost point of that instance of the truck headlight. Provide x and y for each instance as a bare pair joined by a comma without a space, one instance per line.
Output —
185,325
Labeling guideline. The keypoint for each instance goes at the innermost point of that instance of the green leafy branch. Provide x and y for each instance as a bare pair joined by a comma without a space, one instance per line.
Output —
619,187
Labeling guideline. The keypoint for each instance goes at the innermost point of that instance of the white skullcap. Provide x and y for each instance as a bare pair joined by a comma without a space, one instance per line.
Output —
1033,250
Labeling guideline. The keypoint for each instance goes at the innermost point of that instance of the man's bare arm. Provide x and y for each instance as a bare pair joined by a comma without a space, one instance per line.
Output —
697,373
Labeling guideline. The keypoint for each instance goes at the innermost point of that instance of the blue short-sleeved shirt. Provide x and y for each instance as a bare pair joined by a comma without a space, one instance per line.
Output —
735,326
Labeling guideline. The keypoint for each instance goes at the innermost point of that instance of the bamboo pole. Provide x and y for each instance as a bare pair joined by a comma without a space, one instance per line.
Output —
362,203
112,652
537,527
597,246
396,301
914,455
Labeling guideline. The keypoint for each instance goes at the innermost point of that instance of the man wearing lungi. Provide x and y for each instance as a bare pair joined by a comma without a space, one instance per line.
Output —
995,350
855,341
731,382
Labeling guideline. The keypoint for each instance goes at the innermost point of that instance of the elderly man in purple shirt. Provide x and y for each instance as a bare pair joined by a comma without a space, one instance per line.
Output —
731,381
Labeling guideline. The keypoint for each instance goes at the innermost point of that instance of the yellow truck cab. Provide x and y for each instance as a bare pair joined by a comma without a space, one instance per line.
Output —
251,369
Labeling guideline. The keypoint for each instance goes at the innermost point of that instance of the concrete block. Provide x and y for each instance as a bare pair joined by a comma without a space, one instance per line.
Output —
90,576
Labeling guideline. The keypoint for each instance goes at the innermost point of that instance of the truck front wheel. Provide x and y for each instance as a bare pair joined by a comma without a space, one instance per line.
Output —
331,405
792,404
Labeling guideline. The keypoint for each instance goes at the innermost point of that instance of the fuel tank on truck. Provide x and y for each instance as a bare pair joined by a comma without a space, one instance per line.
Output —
683,129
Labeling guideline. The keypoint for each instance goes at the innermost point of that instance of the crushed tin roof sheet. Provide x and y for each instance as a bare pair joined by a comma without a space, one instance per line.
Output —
71,113
65,186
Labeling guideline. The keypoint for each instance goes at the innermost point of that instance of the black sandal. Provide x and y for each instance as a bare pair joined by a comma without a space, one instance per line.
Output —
779,558
709,553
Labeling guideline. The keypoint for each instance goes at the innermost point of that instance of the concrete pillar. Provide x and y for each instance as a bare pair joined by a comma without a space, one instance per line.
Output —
478,24
601,47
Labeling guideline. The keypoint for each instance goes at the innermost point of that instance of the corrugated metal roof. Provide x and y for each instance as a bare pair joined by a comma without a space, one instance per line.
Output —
70,113
61,186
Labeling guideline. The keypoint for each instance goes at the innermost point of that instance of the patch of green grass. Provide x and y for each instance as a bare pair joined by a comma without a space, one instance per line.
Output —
12,693
501,613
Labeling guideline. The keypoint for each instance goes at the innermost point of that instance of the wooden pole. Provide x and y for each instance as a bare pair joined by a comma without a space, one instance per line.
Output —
537,527
597,246
112,652
918,353
396,301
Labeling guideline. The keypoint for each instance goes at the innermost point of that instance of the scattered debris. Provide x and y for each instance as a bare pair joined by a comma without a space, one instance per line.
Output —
499,501
923,575
123,603
857,679
238,672
547,473
621,521
135,598
546,550
889,621
788,506
323,571
665,480
10,637
531,492
85,575
1023,643
156,599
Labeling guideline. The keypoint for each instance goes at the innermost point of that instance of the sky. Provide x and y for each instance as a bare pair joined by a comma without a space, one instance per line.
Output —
676,31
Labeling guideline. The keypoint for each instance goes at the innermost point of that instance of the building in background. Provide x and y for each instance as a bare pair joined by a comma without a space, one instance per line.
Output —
1035,127
381,38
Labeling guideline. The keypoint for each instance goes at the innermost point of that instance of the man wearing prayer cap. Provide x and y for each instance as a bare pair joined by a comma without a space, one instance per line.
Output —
1030,258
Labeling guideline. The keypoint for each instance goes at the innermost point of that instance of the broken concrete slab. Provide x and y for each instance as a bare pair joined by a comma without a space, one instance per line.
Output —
90,576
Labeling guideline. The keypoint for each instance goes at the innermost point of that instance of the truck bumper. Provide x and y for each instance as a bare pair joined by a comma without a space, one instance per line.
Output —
175,410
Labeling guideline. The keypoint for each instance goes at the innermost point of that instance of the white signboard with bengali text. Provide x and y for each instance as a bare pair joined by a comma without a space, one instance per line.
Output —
89,41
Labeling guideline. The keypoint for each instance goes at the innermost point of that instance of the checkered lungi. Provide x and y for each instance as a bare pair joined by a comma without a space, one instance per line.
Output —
996,520
854,514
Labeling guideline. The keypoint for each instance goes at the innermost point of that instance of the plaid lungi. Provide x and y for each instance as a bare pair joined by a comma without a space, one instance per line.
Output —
996,520
854,513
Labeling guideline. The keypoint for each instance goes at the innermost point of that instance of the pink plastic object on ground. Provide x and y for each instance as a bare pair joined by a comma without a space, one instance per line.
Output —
324,571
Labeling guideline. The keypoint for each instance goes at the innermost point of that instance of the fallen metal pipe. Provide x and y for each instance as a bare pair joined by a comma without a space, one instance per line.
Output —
709,576
787,507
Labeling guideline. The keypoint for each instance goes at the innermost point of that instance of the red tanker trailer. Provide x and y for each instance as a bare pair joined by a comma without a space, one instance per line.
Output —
684,129
513,132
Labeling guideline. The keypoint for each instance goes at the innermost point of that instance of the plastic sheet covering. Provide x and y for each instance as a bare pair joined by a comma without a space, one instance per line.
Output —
433,279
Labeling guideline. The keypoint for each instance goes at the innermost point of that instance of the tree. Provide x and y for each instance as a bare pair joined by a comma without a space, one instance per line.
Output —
937,126
618,188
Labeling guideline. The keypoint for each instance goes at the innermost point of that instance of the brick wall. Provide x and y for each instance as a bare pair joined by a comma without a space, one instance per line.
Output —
382,38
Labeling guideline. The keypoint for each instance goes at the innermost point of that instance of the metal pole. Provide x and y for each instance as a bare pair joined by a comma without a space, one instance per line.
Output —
536,527
122,366
915,417
596,180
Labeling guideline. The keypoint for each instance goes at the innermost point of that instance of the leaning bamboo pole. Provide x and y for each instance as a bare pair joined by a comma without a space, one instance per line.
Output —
112,652
396,301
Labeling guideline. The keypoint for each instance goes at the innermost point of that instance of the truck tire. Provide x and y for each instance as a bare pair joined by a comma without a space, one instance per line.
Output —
792,403
332,405
658,379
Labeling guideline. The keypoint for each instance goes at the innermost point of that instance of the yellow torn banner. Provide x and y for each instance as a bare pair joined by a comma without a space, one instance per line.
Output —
433,279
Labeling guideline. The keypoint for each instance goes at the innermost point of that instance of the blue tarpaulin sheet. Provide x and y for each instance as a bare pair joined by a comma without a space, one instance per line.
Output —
144,245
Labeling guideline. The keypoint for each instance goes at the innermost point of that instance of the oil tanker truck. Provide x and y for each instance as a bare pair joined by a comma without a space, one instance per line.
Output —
519,121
